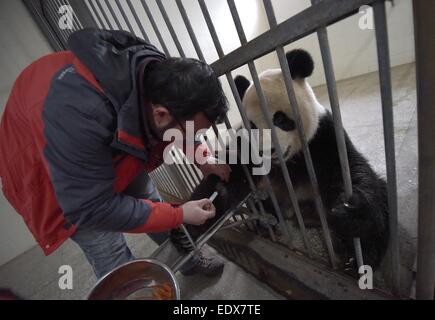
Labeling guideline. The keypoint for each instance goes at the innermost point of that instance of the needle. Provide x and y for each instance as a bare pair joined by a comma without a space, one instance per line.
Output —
213,196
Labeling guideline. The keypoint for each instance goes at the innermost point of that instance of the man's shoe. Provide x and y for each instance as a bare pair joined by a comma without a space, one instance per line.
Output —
211,267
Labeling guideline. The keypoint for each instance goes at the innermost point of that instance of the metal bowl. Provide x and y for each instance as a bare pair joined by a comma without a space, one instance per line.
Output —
137,280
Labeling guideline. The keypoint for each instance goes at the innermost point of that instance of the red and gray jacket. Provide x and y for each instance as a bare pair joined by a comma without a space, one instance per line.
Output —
71,141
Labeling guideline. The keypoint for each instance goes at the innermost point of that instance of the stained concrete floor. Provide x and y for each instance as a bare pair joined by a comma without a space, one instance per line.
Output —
34,276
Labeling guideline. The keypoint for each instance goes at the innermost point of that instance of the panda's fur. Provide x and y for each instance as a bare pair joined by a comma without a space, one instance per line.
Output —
364,215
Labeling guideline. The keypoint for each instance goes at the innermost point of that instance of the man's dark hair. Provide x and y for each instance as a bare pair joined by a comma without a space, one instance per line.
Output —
185,86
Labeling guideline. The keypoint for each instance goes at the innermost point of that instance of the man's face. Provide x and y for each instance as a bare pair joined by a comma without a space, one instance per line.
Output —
163,120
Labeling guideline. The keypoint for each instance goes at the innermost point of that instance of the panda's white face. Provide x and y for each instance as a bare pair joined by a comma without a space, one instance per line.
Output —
280,110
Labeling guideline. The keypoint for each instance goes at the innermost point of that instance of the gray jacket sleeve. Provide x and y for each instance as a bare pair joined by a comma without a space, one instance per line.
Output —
80,165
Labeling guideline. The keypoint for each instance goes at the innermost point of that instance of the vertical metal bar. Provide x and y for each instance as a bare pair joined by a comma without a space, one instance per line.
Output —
170,27
208,143
39,14
58,4
253,208
169,181
181,185
227,122
96,14
114,16
266,114
387,115
155,27
124,16
192,174
83,14
163,179
246,123
155,177
76,22
180,173
174,181
200,56
138,22
424,28
103,12
325,50
54,15
183,168
189,237
158,179
190,29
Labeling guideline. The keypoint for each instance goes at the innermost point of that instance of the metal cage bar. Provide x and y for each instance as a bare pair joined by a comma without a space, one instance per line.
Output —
246,123
325,50
190,30
113,14
305,149
98,19
290,30
50,7
264,108
155,27
124,16
138,22
388,120
170,27
104,13
425,51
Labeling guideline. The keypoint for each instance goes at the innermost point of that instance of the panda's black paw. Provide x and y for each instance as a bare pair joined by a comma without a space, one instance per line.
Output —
350,267
348,216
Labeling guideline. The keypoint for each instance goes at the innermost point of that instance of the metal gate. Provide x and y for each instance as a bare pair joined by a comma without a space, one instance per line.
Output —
176,182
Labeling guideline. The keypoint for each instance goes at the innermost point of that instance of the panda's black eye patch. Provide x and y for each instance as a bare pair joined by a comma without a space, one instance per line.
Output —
283,122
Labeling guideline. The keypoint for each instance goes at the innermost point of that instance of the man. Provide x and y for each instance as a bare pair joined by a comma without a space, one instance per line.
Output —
82,128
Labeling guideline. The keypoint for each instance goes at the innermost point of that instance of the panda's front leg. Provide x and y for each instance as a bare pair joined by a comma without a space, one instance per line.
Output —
349,216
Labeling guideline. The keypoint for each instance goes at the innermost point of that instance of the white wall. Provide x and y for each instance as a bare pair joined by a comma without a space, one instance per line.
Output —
20,44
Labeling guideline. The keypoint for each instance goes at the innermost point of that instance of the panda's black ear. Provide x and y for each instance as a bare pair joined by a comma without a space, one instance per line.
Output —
242,84
300,63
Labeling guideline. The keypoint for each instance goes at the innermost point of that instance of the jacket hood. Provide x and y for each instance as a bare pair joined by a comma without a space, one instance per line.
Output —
113,58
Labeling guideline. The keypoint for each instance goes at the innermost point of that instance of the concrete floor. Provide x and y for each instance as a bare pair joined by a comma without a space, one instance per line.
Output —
34,276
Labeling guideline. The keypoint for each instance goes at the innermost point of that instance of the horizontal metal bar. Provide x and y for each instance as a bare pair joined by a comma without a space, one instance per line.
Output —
292,29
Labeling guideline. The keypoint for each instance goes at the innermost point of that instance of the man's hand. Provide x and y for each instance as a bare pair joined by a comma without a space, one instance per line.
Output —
198,212
213,167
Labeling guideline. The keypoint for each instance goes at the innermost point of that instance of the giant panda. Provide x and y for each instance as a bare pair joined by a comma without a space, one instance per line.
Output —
364,215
